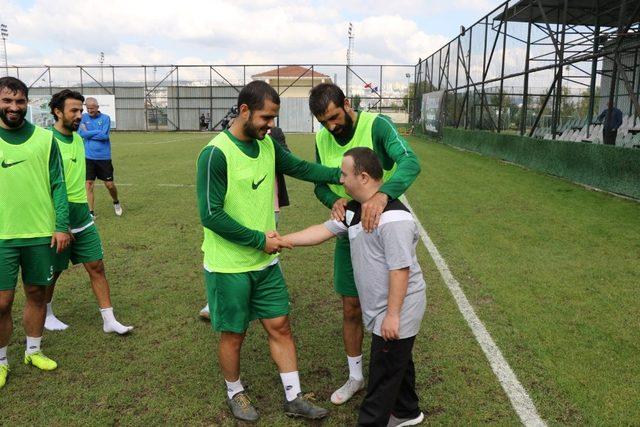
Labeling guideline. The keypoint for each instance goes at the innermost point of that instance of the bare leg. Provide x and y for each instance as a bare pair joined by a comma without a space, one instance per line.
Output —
6,322
35,310
113,191
51,322
89,187
51,288
281,345
352,333
99,283
229,355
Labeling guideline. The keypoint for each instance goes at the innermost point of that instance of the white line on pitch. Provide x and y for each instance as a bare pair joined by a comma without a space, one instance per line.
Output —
518,396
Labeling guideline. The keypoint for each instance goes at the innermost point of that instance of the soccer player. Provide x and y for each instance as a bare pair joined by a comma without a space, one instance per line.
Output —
343,129
34,218
235,187
86,247
390,285
281,198
94,129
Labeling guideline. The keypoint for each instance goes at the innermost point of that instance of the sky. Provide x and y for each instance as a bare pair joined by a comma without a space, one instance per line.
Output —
134,32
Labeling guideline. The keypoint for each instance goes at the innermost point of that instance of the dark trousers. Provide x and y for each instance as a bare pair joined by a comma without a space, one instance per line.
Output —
609,136
392,383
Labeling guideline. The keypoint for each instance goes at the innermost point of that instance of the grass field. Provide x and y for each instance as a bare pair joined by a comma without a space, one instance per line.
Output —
550,267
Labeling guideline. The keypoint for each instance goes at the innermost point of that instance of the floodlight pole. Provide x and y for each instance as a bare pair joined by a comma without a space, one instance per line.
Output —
349,55
101,59
4,33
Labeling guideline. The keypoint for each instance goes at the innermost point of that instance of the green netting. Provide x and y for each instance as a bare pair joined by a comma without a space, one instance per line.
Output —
609,168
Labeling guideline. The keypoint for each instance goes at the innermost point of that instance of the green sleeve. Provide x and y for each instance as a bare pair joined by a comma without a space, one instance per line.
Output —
393,148
58,189
322,190
288,164
211,187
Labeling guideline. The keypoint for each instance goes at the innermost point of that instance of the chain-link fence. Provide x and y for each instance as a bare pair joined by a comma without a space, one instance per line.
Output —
539,69
198,97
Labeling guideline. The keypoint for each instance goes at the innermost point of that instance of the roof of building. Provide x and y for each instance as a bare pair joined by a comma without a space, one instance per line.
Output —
579,12
292,71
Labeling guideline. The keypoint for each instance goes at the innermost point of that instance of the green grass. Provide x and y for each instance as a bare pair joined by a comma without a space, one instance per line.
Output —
551,268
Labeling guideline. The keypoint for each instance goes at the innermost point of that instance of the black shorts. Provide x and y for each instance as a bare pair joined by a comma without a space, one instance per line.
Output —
101,169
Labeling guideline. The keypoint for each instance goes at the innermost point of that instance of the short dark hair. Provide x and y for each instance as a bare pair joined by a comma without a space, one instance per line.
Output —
366,160
255,93
58,100
14,85
324,94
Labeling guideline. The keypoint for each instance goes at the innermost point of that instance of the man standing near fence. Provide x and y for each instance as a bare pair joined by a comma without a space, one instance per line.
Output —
611,119
34,220
94,129
343,129
86,247
235,187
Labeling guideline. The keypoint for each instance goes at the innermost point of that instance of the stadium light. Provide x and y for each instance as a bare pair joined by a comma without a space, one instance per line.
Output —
4,33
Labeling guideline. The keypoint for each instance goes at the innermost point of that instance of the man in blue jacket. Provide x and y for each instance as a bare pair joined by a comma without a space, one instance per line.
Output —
611,118
94,129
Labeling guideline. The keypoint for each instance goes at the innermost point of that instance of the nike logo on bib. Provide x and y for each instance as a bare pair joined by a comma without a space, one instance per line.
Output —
255,185
73,159
8,165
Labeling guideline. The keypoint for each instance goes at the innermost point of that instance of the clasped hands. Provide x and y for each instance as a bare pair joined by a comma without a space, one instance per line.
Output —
275,243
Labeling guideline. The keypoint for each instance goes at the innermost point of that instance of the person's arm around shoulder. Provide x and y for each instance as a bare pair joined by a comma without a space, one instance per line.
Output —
408,168
288,164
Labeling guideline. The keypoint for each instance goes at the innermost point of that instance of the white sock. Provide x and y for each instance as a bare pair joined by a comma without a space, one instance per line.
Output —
52,323
3,355
291,384
355,367
33,345
233,387
110,324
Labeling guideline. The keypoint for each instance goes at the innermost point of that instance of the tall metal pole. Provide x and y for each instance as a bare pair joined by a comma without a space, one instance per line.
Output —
484,68
146,98
525,96
504,51
101,59
594,69
349,57
4,32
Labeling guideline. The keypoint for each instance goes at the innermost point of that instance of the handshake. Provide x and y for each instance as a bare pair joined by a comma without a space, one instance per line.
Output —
275,242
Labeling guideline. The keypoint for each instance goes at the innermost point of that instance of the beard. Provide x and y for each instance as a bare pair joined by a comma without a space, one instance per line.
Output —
252,131
344,129
13,123
71,125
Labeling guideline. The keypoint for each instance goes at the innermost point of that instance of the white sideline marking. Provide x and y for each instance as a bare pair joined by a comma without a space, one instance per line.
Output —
518,396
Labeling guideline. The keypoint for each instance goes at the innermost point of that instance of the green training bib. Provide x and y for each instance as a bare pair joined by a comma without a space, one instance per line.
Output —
249,201
27,207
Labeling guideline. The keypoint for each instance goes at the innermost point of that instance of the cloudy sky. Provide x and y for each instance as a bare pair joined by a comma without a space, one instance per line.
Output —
57,32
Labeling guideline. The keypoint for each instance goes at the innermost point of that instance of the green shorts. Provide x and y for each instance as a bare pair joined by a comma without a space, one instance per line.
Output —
343,281
86,247
235,299
36,263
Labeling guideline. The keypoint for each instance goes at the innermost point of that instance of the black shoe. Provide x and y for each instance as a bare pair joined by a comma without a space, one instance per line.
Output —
242,408
301,406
